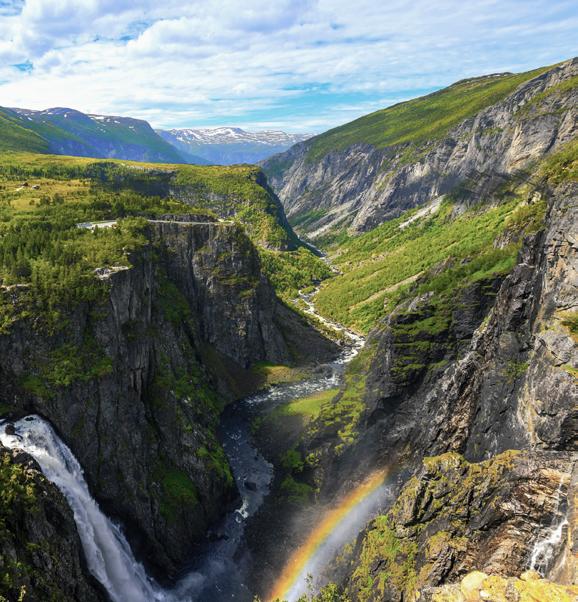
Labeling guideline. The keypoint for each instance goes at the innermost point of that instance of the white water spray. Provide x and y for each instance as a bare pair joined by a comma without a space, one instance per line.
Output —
107,551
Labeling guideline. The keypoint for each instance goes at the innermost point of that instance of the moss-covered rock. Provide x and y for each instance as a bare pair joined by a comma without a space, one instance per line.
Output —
41,558
479,587
454,516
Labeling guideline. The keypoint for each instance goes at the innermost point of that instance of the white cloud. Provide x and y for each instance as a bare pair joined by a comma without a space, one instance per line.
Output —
300,64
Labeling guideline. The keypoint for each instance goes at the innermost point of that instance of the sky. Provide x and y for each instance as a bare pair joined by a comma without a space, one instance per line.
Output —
297,65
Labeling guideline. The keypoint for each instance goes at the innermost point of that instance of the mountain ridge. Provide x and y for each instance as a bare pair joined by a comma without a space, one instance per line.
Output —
226,145
67,131
370,170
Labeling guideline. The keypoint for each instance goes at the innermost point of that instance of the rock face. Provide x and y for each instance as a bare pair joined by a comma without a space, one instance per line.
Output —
480,386
362,186
130,382
453,517
41,556
478,586
509,383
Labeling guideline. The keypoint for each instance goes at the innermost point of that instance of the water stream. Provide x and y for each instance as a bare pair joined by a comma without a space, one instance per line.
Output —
218,571
546,549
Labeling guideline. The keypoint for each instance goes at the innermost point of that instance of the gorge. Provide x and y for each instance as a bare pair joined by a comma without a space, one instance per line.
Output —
372,399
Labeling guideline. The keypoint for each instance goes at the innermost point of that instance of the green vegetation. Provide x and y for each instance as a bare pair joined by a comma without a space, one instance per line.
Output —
296,492
18,494
53,262
396,554
341,413
306,407
400,550
66,365
17,489
417,121
188,384
14,137
307,217
179,494
569,320
274,374
49,132
440,253
236,192
562,166
292,271
567,85
513,370
218,462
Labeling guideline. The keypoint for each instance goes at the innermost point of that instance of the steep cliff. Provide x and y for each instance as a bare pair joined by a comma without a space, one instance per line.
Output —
457,387
473,134
470,307
131,381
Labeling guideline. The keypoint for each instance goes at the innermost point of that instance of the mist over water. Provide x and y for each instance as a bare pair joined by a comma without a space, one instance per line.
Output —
344,532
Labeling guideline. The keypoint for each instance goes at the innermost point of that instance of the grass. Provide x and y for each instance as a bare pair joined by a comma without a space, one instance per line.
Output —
54,132
340,413
306,407
442,252
274,374
41,247
562,166
430,117
232,192
292,271
179,493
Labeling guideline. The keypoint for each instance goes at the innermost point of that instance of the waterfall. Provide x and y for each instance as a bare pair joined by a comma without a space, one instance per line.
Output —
107,551
545,549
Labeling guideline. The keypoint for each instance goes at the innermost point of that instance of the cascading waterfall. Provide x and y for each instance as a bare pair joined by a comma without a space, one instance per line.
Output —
545,549
107,551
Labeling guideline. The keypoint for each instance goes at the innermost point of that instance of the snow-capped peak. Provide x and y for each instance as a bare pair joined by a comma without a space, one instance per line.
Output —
232,135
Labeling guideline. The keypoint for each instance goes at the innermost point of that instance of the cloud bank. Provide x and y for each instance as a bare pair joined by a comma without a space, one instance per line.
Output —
301,65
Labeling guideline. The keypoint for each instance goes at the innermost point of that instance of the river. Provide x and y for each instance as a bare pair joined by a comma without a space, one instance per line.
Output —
218,571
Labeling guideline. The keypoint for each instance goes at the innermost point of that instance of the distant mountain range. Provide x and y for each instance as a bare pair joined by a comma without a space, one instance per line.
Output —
66,131
228,145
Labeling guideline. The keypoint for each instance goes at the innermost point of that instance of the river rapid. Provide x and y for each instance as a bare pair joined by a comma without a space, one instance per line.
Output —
219,569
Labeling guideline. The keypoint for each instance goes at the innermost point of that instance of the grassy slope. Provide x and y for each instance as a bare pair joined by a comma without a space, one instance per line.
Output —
448,252
41,246
384,266
426,118
17,138
380,267
45,132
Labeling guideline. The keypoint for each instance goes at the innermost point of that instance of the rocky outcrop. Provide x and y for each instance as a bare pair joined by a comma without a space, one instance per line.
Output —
453,517
512,386
475,386
130,381
479,587
362,186
41,556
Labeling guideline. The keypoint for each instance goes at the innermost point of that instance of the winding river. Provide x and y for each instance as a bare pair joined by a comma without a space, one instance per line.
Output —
218,571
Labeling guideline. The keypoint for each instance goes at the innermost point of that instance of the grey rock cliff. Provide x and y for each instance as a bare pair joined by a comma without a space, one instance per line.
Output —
361,186
141,417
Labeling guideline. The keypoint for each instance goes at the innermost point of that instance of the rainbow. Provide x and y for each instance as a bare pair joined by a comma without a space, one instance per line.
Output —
295,569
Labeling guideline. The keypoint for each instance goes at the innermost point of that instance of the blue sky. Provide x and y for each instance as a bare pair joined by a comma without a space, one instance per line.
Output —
298,65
